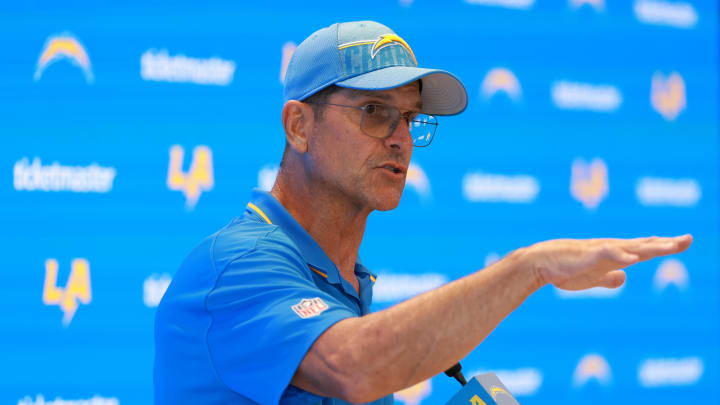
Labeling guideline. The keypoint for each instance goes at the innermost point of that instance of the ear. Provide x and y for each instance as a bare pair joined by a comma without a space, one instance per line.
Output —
298,119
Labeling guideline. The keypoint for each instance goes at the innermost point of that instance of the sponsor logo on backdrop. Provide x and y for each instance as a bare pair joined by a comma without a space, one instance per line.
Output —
522,382
585,96
199,177
418,180
66,47
501,80
154,288
267,176
95,400
309,307
397,287
288,49
516,4
590,293
416,394
500,188
667,95
77,288
671,272
675,14
670,372
592,367
589,182
668,192
598,5
159,66
55,177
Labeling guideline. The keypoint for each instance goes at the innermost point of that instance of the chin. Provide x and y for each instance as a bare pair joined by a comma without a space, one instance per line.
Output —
387,207
388,201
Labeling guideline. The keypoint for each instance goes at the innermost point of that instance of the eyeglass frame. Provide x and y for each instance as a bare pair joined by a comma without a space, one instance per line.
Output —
393,126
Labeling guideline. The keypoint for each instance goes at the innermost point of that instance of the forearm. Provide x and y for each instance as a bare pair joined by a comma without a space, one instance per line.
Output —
389,350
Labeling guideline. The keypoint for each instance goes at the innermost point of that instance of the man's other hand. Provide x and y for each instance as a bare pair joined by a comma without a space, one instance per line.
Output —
571,264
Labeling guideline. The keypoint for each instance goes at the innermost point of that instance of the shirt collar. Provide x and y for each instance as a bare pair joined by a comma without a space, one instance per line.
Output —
267,207
361,269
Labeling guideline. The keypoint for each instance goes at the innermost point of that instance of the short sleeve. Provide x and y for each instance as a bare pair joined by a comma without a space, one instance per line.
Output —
257,340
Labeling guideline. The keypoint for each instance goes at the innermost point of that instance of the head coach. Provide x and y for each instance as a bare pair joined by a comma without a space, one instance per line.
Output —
274,307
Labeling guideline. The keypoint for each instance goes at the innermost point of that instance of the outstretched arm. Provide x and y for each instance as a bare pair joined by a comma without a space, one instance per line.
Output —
362,359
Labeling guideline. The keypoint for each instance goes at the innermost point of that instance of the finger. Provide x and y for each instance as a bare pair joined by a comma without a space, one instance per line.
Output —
684,242
648,248
624,258
613,279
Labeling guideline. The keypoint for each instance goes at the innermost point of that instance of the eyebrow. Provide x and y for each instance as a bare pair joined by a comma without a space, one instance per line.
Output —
355,94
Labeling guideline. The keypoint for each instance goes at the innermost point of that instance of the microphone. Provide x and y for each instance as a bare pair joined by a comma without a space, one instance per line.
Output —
456,372
484,389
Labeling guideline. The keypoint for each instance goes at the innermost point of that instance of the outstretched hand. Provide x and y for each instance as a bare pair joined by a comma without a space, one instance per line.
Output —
571,264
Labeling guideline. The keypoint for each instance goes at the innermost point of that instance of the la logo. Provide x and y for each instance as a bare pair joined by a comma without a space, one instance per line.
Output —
199,177
76,289
589,182
667,95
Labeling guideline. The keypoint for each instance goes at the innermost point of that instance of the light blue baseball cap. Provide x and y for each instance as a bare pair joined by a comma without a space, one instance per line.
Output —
367,55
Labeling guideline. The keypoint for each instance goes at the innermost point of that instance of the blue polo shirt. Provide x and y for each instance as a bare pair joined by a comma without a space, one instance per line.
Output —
244,308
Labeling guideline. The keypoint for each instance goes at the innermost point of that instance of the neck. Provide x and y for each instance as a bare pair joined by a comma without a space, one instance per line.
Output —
336,224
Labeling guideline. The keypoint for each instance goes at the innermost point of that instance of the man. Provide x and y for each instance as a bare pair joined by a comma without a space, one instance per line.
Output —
274,308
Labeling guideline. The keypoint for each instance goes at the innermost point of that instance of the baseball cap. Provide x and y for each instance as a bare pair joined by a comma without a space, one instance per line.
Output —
367,55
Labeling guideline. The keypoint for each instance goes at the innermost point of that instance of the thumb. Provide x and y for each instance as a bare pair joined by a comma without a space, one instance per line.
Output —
613,279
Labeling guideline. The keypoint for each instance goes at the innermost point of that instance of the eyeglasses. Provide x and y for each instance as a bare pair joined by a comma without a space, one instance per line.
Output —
380,121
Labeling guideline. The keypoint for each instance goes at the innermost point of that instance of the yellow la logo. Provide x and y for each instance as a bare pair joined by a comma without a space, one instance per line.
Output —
198,179
475,400
76,288
667,95
589,182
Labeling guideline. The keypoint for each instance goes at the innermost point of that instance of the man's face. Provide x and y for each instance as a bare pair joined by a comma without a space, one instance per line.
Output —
368,172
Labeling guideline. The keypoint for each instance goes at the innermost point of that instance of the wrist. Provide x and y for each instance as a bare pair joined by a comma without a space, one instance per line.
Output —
528,259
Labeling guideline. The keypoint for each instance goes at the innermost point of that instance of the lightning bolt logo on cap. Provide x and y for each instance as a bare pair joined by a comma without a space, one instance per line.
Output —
388,40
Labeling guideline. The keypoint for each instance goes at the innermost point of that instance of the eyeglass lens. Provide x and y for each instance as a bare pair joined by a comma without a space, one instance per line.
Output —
380,121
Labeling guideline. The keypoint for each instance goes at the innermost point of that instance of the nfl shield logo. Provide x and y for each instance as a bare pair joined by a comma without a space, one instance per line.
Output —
309,307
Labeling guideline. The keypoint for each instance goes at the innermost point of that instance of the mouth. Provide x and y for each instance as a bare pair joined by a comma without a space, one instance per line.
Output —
393,168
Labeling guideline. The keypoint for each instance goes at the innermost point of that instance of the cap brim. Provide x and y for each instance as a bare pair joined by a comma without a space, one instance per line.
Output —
442,93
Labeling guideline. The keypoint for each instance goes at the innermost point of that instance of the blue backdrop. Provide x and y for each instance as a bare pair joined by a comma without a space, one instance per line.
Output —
131,131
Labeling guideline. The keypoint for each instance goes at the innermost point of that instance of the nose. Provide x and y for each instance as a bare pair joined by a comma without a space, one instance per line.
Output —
400,139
